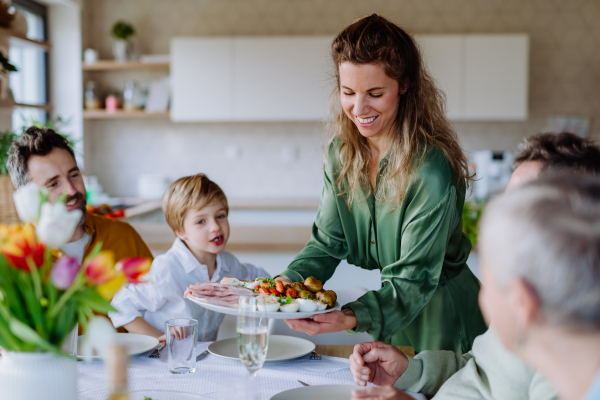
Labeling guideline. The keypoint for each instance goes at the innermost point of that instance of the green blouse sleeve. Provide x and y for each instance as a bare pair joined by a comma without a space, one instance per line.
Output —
327,245
410,282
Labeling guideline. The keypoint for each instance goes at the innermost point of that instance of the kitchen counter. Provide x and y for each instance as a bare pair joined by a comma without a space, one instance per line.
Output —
246,238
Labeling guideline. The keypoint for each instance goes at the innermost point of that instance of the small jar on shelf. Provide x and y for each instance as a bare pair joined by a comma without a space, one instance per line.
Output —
92,101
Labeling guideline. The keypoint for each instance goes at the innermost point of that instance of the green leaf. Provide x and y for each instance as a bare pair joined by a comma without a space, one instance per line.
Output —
28,335
92,299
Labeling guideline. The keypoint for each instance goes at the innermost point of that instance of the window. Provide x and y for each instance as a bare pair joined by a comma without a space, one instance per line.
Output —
29,83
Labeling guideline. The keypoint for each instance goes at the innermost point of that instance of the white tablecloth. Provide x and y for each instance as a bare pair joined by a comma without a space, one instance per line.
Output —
215,377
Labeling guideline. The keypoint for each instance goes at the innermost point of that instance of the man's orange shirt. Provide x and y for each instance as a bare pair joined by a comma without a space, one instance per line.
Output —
116,236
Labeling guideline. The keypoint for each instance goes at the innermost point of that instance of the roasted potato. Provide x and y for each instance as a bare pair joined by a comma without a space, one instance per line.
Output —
328,297
303,293
299,286
313,284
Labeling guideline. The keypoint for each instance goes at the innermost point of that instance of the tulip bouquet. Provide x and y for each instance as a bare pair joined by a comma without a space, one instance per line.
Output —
43,297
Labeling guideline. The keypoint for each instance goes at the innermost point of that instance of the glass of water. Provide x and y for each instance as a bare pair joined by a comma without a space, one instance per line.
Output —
253,334
182,337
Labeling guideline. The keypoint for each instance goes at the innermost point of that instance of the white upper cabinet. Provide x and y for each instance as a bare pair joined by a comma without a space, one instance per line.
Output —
442,55
496,77
201,76
484,77
250,79
282,78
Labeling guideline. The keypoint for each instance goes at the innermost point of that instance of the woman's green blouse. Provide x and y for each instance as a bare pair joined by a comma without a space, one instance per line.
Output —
418,246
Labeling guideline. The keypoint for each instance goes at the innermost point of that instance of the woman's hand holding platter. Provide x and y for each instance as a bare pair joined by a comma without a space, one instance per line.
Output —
334,321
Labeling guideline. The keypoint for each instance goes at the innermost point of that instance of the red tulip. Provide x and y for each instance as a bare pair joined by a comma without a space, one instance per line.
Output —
19,245
133,268
100,269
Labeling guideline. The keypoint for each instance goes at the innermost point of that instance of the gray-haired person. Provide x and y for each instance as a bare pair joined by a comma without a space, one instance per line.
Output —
541,287
488,371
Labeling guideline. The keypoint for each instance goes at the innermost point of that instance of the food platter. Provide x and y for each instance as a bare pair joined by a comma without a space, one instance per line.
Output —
281,348
272,315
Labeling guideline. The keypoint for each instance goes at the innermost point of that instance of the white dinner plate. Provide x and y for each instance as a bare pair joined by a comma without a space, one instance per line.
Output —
136,344
163,395
281,348
329,392
271,315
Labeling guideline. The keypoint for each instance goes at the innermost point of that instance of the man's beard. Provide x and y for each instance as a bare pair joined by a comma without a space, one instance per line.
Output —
82,203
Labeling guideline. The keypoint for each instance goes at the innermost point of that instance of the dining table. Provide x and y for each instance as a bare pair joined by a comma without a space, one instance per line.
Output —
217,378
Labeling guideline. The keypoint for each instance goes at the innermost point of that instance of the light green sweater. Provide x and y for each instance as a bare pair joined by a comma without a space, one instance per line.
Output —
487,372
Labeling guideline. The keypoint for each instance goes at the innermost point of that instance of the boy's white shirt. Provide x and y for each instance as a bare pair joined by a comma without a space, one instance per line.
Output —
162,298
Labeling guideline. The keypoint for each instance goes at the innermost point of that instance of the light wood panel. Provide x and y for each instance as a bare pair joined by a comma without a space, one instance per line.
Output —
110,65
120,114
18,39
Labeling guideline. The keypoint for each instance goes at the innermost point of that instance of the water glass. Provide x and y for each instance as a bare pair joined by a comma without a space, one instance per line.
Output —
182,337
253,334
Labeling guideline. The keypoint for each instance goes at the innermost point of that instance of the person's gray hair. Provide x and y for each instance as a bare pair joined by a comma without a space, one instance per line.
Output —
548,234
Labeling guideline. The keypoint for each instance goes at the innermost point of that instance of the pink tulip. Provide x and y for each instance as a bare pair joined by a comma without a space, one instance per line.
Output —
64,272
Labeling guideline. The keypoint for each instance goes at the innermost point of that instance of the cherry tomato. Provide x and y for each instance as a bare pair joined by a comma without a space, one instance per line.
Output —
109,215
120,213
273,290
279,287
263,290
291,292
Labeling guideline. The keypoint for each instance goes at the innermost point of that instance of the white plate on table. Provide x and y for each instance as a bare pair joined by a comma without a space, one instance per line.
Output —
329,392
163,395
281,348
136,344
271,315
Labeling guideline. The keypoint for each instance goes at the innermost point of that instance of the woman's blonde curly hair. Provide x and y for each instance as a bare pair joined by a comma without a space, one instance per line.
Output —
420,122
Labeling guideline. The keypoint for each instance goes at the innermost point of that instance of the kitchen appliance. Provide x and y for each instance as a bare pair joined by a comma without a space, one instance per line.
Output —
493,170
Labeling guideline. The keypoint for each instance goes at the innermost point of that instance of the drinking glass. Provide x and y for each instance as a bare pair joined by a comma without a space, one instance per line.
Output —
253,334
182,337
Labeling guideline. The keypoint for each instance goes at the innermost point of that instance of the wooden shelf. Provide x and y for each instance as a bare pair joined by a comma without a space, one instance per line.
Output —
20,40
110,65
120,114
12,104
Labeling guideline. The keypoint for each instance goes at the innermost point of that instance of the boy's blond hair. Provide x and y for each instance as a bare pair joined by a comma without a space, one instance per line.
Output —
183,195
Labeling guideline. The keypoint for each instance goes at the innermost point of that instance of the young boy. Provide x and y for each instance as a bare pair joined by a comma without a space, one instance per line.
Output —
196,210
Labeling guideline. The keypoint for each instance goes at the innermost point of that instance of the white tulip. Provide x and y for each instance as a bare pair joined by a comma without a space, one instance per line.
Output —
28,200
56,224
99,337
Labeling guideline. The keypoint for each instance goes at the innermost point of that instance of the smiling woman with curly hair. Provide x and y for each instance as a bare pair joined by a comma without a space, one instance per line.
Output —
395,183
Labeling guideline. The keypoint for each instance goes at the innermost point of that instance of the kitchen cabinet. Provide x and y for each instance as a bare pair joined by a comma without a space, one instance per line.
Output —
202,82
496,77
250,79
281,78
484,77
442,55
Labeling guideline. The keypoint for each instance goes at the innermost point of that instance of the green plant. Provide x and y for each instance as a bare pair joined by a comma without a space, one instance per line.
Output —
6,139
471,213
6,66
122,30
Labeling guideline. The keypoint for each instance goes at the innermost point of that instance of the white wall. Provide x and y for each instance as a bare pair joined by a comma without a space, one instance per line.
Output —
66,95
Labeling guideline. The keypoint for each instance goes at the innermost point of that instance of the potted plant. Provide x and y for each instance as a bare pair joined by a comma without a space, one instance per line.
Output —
42,298
8,213
122,32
